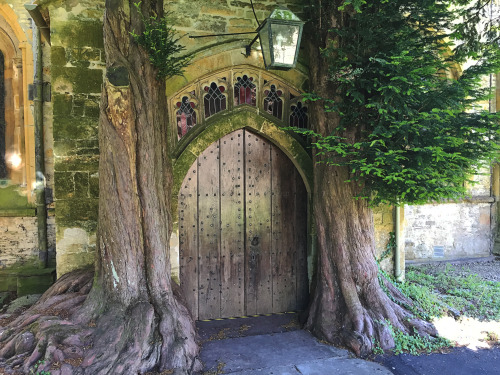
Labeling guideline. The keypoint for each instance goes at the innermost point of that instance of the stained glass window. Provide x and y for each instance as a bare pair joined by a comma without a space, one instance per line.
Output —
186,116
214,99
245,91
298,116
273,104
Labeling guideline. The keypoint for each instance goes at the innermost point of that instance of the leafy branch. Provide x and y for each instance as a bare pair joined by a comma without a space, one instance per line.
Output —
161,43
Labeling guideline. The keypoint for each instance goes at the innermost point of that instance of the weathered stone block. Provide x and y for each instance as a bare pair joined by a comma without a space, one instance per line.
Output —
81,80
94,185
63,104
8,283
69,262
64,185
214,24
81,184
84,55
77,163
58,56
69,127
81,33
34,284
91,108
72,211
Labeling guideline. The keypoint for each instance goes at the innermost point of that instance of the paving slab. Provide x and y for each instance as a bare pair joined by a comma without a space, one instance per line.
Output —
458,361
286,353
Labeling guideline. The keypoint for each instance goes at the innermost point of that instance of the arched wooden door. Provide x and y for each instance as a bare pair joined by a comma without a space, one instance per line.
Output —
242,229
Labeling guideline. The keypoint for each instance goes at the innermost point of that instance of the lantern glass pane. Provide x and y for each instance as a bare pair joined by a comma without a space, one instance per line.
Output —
285,40
264,43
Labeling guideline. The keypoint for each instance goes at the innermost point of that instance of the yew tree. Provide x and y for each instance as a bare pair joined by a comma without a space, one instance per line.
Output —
395,120
129,317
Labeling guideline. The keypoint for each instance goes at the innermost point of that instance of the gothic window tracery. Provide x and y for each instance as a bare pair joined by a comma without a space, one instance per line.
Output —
214,100
298,115
273,104
186,116
245,91
196,104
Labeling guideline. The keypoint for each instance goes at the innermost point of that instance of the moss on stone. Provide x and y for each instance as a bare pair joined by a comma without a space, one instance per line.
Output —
34,284
74,261
81,184
62,104
71,213
13,197
79,32
91,107
82,80
58,56
70,127
211,23
94,185
64,185
77,163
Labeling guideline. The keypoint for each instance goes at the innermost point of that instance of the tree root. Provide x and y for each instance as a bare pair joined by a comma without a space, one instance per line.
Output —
54,335
381,317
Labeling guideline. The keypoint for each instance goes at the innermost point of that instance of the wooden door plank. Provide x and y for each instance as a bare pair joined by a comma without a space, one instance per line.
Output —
188,239
258,273
283,228
301,224
232,197
209,233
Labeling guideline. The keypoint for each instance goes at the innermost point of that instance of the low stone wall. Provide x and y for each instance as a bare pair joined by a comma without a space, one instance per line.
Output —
19,241
447,231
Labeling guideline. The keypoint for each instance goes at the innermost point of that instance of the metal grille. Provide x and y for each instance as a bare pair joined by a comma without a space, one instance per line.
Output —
245,91
214,99
273,104
186,117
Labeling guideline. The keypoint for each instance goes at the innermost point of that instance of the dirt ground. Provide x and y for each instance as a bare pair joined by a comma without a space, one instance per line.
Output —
488,269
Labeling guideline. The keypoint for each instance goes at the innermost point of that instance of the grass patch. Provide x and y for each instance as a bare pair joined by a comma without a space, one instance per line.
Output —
440,294
445,293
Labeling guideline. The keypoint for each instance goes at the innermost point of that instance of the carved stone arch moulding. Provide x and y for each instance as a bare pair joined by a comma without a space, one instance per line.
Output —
194,107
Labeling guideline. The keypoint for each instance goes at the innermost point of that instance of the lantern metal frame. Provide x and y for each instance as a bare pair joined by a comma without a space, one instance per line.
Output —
268,23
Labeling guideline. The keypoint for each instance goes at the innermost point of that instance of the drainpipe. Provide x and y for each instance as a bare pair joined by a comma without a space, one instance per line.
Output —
397,251
41,206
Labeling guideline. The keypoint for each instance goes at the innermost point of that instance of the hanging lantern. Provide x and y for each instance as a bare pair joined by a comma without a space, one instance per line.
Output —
280,36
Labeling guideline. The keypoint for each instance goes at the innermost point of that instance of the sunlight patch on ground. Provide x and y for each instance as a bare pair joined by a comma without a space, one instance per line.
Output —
468,332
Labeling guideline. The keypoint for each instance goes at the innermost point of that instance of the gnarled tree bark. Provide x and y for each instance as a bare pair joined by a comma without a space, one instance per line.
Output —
133,321
348,307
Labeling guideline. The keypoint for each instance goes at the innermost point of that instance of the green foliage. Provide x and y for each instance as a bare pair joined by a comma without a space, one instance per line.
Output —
470,295
435,294
390,248
160,41
34,369
409,125
415,344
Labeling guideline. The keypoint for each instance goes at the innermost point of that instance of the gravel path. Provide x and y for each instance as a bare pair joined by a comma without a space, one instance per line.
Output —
488,269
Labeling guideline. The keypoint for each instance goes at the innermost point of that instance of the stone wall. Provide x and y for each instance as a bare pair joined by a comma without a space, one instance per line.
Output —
77,66
19,242
452,230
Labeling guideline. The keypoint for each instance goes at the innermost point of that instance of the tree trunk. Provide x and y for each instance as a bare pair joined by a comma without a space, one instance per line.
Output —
133,321
348,306
135,175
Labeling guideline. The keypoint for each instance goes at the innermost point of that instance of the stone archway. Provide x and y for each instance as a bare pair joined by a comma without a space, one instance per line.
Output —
243,230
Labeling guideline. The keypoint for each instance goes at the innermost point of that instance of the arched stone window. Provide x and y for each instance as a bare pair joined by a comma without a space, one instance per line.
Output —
214,100
3,128
251,89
